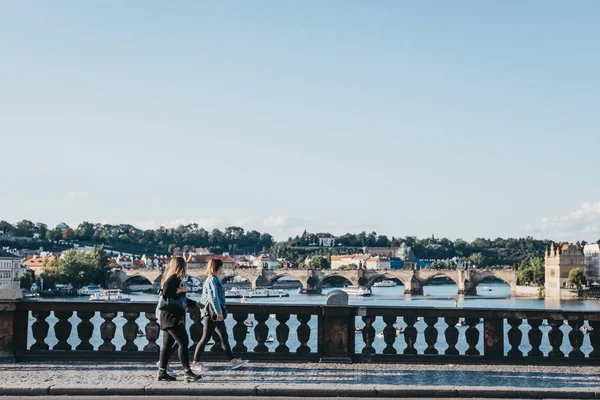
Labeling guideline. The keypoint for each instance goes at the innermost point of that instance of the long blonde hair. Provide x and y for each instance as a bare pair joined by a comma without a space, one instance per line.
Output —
213,266
176,267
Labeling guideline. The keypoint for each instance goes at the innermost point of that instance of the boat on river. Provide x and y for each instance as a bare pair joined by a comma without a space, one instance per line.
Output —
357,291
256,293
110,295
385,283
89,290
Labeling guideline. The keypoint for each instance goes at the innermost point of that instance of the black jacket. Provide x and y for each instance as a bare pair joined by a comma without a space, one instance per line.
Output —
170,320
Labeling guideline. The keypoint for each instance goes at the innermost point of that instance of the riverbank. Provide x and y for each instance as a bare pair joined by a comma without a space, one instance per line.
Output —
306,380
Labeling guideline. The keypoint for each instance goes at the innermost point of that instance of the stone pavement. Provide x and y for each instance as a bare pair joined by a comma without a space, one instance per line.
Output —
306,380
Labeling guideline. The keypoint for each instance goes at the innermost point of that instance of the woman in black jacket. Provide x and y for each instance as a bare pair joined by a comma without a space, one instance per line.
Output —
172,320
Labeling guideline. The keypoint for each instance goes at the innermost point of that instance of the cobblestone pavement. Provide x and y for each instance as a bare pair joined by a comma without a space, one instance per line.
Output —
120,377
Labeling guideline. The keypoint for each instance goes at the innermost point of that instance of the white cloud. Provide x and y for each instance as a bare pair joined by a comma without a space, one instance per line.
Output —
581,224
76,195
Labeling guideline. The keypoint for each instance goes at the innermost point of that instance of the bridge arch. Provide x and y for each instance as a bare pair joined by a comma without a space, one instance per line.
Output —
350,280
437,275
386,275
301,282
136,280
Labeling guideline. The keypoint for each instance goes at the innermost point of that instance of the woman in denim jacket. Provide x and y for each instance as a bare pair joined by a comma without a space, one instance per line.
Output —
213,316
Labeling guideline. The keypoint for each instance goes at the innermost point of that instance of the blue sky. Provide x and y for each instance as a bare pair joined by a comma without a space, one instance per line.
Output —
407,118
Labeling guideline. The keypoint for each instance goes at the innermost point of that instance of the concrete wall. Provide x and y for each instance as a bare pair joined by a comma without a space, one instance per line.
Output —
527,291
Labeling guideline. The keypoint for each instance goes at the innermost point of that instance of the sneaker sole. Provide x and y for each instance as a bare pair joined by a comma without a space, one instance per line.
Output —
239,365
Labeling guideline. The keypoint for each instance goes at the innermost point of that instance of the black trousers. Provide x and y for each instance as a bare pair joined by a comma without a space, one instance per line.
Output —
175,339
211,327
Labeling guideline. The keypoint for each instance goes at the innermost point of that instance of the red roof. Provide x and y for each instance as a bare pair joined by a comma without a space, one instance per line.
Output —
206,257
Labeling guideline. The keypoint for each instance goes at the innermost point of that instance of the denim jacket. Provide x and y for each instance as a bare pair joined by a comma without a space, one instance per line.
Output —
213,294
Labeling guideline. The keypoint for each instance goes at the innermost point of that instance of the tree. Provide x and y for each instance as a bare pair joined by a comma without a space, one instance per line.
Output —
68,234
577,278
85,231
83,268
539,270
525,274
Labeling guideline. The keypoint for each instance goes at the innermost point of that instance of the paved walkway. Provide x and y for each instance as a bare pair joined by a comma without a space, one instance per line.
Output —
314,380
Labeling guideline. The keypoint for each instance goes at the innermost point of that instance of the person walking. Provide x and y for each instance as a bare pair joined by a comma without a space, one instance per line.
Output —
172,320
213,316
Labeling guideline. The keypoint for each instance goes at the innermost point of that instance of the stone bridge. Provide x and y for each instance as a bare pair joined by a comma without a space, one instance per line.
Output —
313,280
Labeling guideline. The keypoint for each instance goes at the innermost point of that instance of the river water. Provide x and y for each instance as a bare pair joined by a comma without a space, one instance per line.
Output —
439,296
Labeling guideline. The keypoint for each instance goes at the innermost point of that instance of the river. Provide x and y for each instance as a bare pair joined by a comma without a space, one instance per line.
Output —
439,296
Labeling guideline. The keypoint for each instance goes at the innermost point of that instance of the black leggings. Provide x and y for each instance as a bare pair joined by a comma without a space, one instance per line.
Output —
172,339
211,327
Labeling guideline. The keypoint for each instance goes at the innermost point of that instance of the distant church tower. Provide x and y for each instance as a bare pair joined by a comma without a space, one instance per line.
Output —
559,261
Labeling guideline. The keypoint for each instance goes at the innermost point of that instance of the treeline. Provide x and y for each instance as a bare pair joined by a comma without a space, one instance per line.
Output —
235,240
127,238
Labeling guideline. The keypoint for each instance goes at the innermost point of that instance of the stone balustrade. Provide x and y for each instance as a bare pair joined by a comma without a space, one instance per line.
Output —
40,330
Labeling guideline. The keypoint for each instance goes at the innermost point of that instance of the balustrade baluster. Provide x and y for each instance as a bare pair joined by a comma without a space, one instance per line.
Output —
410,335
368,334
130,331
85,330
240,331
451,334
152,331
595,339
556,338
40,330
107,331
196,328
283,333
261,332
515,336
389,334
535,338
472,336
576,338
303,332
431,335
216,348
62,330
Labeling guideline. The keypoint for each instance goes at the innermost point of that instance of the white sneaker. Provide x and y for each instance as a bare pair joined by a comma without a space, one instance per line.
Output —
169,370
198,368
239,363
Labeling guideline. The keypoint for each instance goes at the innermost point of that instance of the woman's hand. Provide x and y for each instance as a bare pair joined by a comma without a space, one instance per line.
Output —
182,290
220,317
200,305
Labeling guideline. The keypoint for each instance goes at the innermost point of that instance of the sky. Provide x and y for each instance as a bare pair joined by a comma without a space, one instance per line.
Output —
458,119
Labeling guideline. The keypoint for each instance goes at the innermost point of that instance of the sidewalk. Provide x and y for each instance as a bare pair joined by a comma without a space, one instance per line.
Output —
306,380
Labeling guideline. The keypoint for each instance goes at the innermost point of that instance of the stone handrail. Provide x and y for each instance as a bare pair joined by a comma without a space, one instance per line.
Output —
44,330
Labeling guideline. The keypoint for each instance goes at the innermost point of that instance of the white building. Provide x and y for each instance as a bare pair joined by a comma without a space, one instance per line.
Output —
378,262
10,271
351,259
591,253
265,261
124,262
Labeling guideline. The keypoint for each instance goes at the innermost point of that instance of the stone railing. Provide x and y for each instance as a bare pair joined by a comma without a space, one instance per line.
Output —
119,331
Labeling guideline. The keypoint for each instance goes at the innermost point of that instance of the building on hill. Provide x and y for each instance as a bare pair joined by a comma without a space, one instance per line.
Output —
199,251
380,251
200,261
265,261
326,239
357,259
62,226
10,271
36,263
591,253
405,253
125,262
559,262
378,262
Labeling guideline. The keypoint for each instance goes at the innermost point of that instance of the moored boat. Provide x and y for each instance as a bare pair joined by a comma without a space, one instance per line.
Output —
357,291
385,283
110,295
250,293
